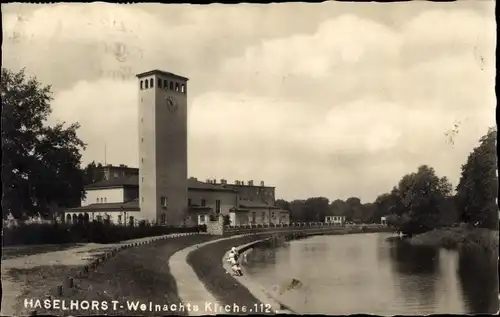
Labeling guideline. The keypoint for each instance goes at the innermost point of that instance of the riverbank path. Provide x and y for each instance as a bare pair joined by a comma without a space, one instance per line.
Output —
189,287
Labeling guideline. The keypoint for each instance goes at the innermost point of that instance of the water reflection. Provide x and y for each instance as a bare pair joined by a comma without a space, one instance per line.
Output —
416,271
263,254
478,274
363,273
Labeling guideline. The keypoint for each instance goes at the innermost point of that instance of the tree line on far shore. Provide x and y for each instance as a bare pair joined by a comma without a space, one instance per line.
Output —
41,170
422,200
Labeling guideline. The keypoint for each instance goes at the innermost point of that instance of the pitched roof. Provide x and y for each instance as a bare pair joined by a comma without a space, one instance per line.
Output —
133,181
132,205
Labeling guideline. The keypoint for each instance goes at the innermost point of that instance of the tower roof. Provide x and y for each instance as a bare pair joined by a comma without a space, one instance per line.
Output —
161,72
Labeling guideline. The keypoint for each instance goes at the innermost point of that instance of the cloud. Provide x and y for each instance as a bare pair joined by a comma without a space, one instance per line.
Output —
107,112
340,42
342,108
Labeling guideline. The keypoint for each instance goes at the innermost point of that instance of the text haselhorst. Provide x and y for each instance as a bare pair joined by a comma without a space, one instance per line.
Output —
113,305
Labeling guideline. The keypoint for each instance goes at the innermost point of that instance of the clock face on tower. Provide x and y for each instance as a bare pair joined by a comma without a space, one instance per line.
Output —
171,103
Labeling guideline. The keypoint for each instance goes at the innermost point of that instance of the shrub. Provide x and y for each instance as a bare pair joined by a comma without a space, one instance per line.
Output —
97,232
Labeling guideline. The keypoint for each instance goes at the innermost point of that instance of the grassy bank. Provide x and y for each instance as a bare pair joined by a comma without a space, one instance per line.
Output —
26,250
458,238
135,275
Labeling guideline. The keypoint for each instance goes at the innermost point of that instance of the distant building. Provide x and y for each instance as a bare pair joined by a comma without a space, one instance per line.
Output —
121,171
117,200
383,221
336,220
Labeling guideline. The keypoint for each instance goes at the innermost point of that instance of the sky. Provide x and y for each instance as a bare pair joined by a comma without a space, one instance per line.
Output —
340,101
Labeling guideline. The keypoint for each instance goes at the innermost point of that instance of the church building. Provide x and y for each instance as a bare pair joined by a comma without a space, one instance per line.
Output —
159,191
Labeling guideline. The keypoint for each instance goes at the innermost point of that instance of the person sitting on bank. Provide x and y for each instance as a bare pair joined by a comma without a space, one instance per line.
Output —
232,254
236,267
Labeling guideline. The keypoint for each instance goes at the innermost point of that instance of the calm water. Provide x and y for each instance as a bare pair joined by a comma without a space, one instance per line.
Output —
364,273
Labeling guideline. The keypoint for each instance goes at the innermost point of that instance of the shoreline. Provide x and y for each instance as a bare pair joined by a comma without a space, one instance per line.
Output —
260,292
458,238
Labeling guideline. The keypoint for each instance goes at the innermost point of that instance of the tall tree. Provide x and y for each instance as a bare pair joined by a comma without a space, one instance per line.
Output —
317,208
297,210
339,207
369,213
383,206
355,209
40,163
422,195
477,189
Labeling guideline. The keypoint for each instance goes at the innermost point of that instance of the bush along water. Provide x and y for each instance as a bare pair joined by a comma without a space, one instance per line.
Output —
97,232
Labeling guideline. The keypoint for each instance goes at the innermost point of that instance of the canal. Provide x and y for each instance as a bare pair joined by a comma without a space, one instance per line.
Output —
365,273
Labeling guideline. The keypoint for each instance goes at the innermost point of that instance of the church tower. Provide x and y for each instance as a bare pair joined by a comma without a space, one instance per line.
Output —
163,147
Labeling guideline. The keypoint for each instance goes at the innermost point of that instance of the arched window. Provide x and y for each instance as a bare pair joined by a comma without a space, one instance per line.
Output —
171,86
142,85
159,83
176,87
146,84
151,83
183,88
105,199
68,218
101,200
97,200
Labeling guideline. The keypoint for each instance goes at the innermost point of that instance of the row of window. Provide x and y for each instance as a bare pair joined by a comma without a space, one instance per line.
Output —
164,84
203,203
101,200
86,218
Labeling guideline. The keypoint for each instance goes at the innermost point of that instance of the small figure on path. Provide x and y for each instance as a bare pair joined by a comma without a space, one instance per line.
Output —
232,254
236,267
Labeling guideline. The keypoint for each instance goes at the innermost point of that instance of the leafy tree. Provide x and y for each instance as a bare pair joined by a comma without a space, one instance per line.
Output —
477,189
422,195
317,208
339,207
368,214
385,205
40,163
93,173
297,210
355,209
